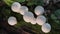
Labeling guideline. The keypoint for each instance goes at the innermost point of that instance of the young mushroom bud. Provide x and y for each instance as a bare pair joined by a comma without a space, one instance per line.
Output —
23,9
28,16
12,21
33,21
41,20
39,10
46,28
15,7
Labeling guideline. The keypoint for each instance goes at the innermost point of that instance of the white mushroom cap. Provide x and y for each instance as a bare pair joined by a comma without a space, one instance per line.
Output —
12,20
23,9
46,28
33,21
39,10
40,20
28,16
15,7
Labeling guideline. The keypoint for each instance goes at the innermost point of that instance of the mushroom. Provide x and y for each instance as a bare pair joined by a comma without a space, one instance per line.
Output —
15,7
46,28
28,16
12,21
41,20
39,10
23,9
33,21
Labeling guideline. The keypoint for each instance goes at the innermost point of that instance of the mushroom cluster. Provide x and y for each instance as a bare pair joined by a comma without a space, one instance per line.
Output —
16,7
29,16
41,20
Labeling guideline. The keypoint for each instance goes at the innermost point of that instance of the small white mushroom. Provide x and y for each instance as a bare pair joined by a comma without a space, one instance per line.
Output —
28,16
46,28
15,7
12,21
39,10
40,20
23,9
33,21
